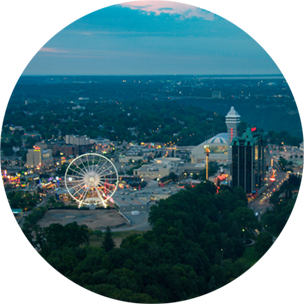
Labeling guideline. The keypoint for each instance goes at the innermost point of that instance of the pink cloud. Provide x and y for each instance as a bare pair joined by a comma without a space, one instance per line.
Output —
176,6
28,49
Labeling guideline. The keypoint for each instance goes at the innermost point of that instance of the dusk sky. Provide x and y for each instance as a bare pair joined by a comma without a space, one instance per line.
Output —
151,37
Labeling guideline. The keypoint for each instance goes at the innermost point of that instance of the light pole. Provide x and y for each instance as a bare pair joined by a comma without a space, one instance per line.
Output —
207,159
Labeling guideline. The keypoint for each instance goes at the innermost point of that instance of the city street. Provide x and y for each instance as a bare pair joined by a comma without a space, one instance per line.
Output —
261,203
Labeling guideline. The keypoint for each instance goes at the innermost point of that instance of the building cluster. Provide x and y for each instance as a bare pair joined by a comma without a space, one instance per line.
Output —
244,155
136,153
42,154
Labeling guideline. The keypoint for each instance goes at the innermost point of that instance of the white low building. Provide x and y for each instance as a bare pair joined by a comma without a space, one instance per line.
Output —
159,168
218,146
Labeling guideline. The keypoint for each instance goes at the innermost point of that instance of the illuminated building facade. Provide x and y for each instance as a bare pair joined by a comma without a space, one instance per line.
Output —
232,121
39,157
249,161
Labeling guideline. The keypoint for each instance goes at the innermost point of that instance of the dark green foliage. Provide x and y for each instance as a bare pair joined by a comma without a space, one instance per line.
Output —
55,237
282,202
22,200
108,243
194,247
263,243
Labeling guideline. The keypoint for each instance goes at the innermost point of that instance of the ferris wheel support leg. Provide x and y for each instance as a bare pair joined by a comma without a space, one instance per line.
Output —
103,202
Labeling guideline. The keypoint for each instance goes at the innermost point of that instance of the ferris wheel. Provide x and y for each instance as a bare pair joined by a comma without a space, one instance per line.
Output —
91,179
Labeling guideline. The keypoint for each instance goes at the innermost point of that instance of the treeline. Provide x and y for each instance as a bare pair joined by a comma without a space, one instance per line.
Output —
22,200
195,246
152,121
277,138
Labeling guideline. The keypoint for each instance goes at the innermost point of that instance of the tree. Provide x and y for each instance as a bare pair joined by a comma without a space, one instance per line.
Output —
263,243
173,176
108,243
212,289
244,217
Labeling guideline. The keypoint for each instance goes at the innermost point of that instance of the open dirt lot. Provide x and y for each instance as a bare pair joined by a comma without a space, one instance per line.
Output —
94,219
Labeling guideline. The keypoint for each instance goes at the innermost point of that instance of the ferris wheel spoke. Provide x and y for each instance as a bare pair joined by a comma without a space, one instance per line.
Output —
109,192
102,164
77,192
75,176
105,188
101,173
78,185
102,200
77,171
83,170
99,170
83,197
88,162
75,181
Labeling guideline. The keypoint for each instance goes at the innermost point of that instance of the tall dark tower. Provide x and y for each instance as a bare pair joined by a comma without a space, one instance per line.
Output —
248,161
232,121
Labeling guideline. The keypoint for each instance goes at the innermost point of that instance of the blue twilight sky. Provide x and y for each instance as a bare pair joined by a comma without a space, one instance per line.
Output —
151,37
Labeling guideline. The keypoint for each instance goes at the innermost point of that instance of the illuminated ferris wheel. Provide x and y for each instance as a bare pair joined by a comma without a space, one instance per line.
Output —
91,179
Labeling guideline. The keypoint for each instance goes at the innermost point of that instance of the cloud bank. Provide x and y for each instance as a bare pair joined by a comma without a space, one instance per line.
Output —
151,37
22,48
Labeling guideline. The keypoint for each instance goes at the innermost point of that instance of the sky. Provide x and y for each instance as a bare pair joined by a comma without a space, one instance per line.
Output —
151,38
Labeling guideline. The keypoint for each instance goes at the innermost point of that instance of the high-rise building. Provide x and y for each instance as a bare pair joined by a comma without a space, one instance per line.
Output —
77,140
232,121
249,161
39,157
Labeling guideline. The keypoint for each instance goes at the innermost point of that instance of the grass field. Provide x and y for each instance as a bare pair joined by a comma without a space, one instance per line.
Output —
96,239
251,255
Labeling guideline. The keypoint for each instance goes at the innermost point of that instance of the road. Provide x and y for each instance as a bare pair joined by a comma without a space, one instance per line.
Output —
261,203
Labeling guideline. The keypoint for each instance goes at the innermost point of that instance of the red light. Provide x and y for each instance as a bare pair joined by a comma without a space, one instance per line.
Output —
253,129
